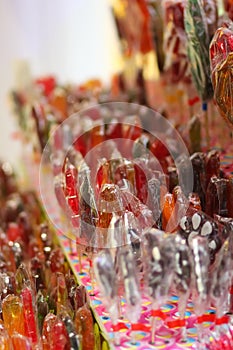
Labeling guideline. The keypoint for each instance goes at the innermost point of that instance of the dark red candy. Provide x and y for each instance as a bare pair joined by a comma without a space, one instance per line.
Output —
56,260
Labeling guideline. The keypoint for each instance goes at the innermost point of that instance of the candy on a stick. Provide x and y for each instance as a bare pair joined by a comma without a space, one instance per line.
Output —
201,282
13,316
124,175
109,201
106,278
212,163
31,330
199,224
159,270
131,287
182,277
48,324
59,336
38,272
221,279
143,214
74,339
168,212
157,28
88,212
5,343
22,278
84,325
175,43
198,44
199,176
195,134
154,199
216,197
42,309
221,56
21,342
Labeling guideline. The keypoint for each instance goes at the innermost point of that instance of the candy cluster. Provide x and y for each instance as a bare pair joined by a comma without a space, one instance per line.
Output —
150,234
41,305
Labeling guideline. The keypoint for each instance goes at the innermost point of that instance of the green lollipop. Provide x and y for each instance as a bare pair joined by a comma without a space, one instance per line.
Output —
198,53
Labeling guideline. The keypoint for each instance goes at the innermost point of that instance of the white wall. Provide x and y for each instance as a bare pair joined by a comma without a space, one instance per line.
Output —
74,39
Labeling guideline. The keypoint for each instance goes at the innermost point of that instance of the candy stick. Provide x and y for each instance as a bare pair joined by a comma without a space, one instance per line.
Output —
198,45
200,279
132,293
31,330
159,268
12,312
182,278
220,283
106,280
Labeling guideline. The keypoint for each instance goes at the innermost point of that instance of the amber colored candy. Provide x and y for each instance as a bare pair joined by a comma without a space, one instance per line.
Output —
168,206
84,325
109,201
58,101
13,316
102,175
97,135
5,343
20,342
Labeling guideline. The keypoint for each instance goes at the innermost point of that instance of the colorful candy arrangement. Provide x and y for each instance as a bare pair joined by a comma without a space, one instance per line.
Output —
139,224
42,307
151,212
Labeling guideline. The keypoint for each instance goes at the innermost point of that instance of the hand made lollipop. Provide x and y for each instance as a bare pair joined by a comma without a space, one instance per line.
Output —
221,56
131,288
200,279
182,278
198,43
220,283
106,279
159,269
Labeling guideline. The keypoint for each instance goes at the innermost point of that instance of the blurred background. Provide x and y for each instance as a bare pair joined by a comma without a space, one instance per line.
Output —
72,39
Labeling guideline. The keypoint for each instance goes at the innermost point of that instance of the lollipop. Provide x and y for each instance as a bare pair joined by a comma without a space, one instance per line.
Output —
106,279
182,277
200,278
159,269
220,283
132,293
176,60
198,43
221,55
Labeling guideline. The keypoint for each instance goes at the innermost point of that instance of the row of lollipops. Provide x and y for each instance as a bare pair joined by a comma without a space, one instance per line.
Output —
112,203
192,41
